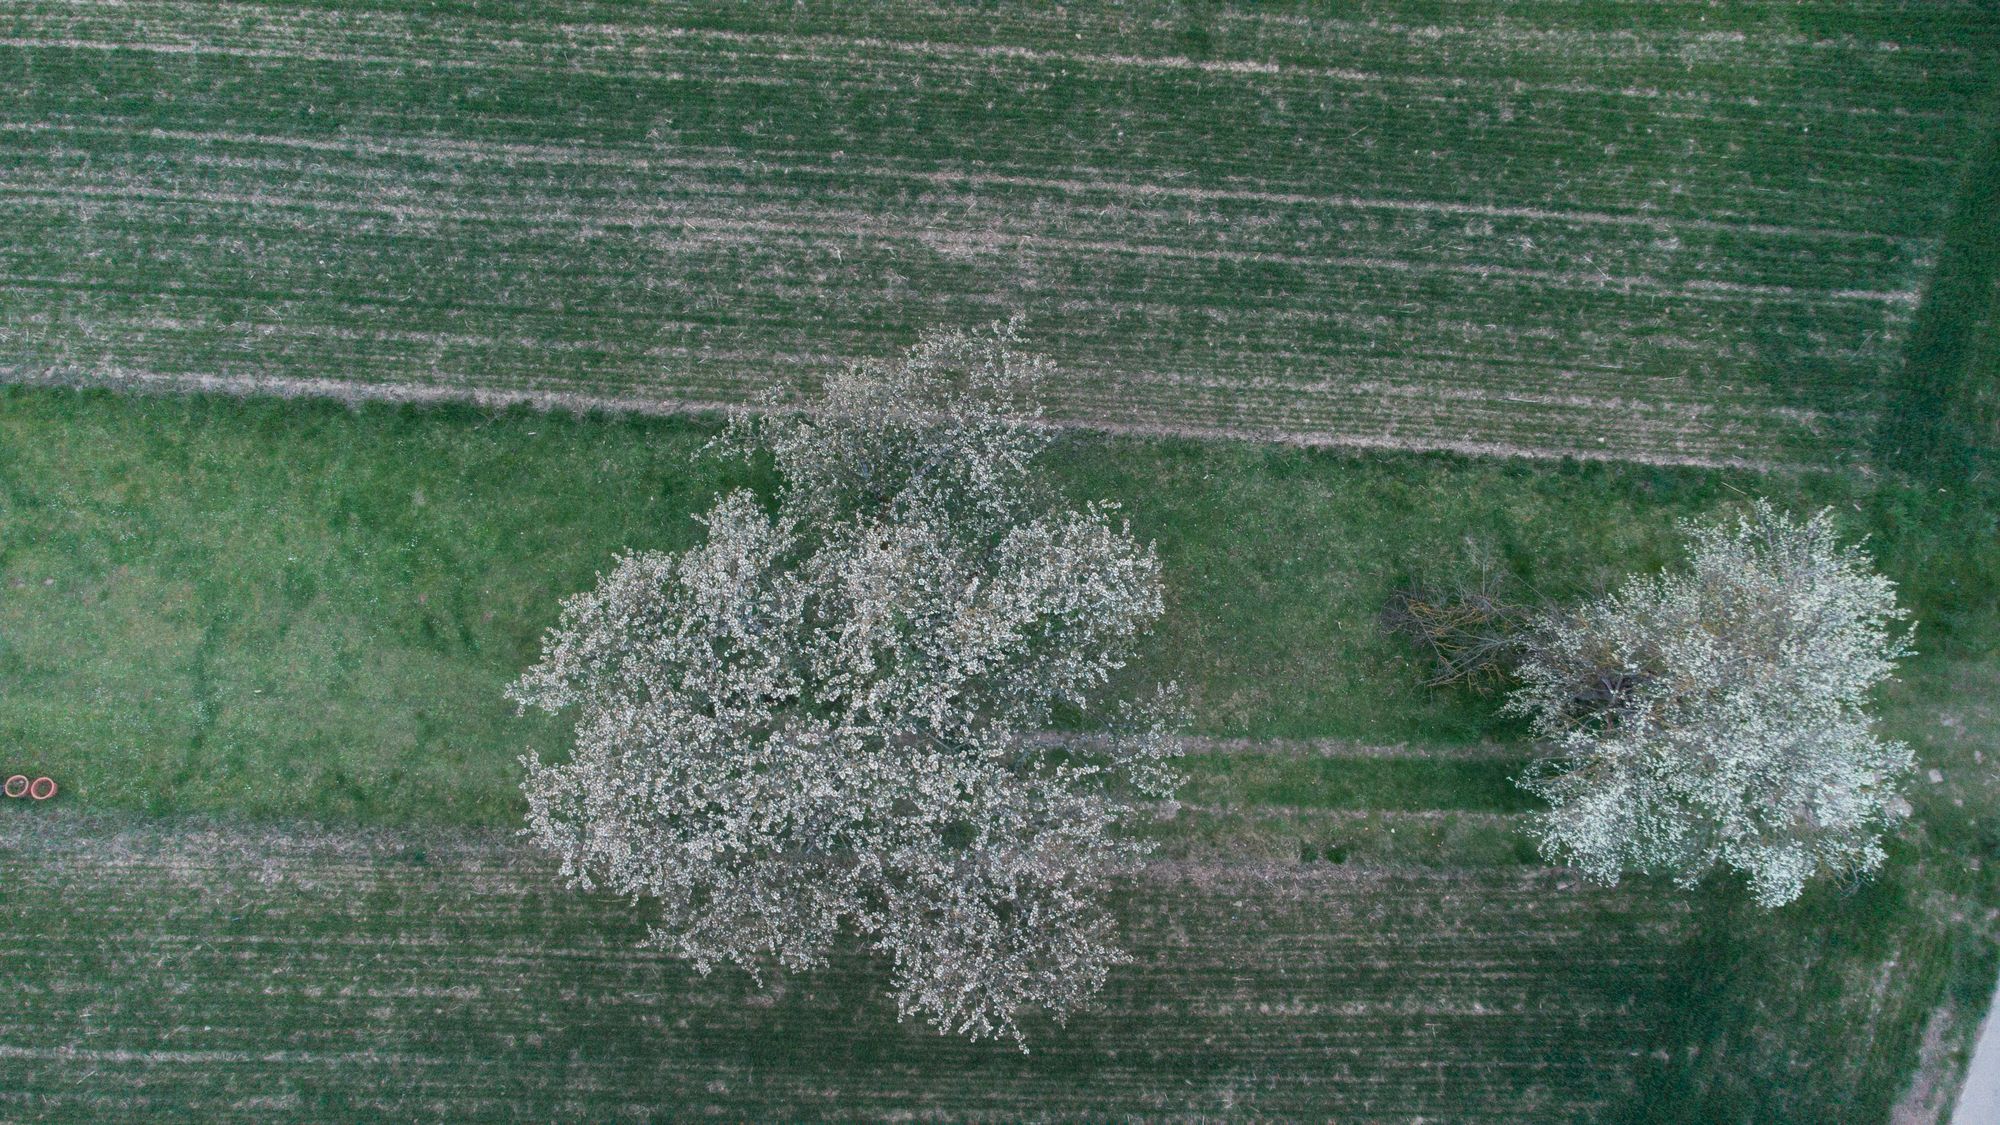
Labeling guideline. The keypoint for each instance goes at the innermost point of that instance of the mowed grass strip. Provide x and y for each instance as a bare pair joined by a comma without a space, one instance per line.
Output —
300,610
173,968
1393,784
1670,234
1455,808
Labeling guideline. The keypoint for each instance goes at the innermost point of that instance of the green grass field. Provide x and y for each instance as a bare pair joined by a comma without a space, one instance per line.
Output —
1673,255
293,609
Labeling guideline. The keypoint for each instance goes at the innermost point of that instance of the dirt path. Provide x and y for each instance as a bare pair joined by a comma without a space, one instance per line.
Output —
1979,1098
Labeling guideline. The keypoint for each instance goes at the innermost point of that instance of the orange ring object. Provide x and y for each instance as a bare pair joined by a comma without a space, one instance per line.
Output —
42,788
17,785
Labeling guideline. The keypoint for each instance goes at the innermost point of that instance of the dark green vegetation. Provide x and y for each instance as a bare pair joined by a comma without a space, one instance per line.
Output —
1676,231
288,610
1946,408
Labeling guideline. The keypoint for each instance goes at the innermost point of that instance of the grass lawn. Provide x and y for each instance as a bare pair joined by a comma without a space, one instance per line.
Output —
291,609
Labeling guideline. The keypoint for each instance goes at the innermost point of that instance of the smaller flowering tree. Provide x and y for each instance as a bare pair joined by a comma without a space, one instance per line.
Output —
1716,716
828,717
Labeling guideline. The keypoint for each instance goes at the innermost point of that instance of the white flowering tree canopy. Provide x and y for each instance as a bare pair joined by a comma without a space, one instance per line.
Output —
1716,716
830,716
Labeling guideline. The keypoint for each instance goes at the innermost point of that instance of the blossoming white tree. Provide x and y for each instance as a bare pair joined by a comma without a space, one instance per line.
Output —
829,715
1717,716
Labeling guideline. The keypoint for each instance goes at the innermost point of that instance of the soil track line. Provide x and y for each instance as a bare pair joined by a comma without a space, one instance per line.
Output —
781,47
451,151
1314,748
125,379
835,224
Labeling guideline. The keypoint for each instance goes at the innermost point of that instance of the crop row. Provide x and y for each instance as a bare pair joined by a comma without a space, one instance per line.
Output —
164,968
1416,225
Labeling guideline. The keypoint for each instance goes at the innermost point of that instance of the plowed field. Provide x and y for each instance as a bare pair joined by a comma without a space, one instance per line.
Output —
160,970
1674,232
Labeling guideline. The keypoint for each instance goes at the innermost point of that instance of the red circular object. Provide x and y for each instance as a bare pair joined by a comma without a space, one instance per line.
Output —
42,788
17,785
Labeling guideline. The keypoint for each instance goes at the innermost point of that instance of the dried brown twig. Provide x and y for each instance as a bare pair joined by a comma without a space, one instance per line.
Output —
1472,635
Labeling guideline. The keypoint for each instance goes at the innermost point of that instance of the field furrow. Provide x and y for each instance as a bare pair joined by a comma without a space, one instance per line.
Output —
165,968
1682,236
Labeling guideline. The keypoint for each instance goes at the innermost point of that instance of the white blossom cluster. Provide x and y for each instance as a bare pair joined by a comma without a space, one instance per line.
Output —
1717,716
824,718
